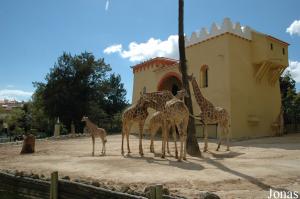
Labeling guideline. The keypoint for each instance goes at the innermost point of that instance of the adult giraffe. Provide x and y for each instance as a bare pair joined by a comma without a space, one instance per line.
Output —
158,101
135,113
210,114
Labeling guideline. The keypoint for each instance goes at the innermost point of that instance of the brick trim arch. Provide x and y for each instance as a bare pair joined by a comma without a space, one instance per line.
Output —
166,76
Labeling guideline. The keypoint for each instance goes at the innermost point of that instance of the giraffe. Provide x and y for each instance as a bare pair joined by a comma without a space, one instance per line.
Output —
95,131
158,101
178,114
154,125
210,114
135,113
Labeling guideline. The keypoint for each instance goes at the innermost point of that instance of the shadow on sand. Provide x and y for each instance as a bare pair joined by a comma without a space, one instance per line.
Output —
246,177
188,165
169,161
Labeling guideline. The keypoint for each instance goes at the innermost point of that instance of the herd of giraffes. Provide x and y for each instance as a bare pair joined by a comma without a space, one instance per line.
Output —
171,112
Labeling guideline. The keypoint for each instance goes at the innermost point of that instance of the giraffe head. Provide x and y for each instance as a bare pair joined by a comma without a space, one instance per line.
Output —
84,119
190,77
181,94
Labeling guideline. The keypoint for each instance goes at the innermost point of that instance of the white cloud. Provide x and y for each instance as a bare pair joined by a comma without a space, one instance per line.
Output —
150,49
107,5
294,28
113,49
15,94
294,69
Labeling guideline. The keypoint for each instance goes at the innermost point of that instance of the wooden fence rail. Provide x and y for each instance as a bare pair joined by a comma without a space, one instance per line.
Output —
16,187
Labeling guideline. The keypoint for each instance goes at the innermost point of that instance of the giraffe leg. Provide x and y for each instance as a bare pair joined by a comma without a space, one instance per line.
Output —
152,144
123,134
184,146
220,139
103,145
153,132
174,137
103,149
181,143
93,140
227,138
141,127
167,139
163,152
127,137
185,126
205,138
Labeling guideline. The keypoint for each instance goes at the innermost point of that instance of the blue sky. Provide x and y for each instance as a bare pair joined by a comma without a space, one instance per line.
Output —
34,33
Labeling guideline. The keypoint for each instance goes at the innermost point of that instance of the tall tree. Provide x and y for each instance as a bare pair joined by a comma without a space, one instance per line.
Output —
70,85
40,120
288,97
192,144
77,85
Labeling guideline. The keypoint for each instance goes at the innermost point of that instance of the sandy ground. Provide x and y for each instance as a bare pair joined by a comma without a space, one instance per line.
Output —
247,171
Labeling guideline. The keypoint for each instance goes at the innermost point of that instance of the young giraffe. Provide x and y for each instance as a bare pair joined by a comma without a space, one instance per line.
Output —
95,131
158,102
135,113
210,114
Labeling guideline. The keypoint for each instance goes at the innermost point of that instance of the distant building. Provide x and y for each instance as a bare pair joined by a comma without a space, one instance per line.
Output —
8,105
236,68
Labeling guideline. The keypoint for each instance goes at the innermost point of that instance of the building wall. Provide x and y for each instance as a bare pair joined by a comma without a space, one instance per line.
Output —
149,78
214,54
232,84
255,104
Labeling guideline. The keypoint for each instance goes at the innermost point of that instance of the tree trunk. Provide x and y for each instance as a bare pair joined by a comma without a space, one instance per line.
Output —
28,144
192,144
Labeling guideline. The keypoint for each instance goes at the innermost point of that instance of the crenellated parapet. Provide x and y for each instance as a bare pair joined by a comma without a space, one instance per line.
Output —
215,30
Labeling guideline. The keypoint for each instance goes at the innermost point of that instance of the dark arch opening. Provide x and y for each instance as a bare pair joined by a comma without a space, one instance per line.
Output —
175,89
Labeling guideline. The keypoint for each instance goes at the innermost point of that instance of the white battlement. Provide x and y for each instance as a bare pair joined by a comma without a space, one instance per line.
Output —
227,26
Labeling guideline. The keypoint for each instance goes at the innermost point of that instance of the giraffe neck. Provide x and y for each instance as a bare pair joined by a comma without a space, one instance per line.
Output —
198,95
91,125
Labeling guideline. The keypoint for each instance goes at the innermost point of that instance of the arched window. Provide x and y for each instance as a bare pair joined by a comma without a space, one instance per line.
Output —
204,76
144,89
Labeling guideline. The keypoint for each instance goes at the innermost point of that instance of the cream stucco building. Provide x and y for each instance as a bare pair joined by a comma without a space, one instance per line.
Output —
236,67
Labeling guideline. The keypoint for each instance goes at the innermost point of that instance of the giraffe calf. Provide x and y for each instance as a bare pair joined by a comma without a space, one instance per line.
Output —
95,131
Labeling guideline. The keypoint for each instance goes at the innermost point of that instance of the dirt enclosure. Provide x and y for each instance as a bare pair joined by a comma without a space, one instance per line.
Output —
247,171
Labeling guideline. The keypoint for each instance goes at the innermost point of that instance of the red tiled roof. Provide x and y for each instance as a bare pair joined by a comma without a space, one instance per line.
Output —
158,61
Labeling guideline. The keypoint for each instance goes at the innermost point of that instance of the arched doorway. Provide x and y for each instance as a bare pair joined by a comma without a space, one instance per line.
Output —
170,81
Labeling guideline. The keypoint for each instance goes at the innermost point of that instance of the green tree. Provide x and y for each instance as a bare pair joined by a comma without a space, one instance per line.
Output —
40,120
69,85
297,109
288,98
78,85
15,120
115,93
192,144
